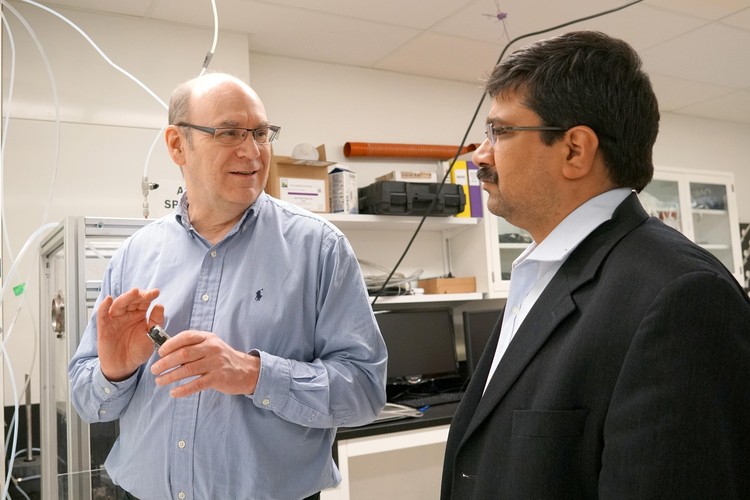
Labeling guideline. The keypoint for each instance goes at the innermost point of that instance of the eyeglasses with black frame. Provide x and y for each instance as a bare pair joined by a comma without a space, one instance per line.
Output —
233,136
494,132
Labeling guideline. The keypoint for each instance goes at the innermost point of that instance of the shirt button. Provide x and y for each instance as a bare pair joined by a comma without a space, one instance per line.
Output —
102,412
107,390
213,253
181,495
205,297
266,402
514,310
181,444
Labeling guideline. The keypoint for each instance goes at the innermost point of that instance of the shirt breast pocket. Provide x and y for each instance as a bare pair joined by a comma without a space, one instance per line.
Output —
549,423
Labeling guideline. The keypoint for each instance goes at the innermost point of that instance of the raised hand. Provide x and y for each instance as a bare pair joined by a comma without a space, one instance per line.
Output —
121,328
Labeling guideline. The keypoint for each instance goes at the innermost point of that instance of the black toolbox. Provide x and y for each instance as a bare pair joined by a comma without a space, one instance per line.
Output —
411,198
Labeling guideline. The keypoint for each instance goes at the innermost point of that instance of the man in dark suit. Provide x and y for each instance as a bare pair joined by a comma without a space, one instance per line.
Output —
621,367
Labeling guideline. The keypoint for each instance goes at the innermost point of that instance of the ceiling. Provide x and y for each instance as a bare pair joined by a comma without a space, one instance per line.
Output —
697,52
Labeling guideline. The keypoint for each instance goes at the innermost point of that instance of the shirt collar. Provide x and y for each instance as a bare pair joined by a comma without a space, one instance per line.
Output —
575,227
248,218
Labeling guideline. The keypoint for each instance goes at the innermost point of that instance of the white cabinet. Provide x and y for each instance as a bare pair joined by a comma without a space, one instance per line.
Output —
418,452
507,242
703,206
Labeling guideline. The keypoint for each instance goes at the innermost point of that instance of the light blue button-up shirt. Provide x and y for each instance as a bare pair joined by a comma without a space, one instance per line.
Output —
284,284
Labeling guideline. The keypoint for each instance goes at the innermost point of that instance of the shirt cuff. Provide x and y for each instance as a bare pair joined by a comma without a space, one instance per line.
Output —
273,377
106,389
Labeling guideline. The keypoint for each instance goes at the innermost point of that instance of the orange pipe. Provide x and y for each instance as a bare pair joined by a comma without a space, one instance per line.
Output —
388,150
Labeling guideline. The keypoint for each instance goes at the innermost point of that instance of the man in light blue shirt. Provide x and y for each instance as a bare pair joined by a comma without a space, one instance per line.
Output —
273,342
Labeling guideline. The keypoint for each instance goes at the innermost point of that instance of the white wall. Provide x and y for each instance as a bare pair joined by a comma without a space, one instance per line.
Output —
108,124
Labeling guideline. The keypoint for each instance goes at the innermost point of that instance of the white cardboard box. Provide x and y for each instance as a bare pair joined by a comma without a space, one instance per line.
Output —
302,182
343,194
305,193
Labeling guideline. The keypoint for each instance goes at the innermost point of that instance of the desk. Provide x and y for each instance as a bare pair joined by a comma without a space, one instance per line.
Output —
393,435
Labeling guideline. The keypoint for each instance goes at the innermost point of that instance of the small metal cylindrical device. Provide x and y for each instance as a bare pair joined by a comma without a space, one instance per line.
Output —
158,335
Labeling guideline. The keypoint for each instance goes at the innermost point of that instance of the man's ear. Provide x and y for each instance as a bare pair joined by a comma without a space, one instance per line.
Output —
175,144
582,147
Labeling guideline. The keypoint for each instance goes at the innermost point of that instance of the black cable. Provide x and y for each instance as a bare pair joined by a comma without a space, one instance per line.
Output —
468,130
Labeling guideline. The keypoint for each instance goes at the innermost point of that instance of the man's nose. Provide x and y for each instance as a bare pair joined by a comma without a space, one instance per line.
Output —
483,154
249,147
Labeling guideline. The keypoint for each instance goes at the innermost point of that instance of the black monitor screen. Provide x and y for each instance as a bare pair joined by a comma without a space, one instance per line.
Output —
478,326
421,344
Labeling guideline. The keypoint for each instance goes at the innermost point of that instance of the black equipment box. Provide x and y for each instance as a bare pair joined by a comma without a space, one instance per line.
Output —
411,198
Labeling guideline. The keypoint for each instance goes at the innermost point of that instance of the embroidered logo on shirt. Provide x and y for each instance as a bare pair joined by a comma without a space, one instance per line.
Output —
259,295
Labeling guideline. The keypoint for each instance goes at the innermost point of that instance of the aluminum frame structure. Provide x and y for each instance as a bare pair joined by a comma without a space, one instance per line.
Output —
73,259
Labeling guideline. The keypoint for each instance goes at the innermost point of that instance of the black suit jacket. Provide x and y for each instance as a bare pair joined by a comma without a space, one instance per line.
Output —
629,378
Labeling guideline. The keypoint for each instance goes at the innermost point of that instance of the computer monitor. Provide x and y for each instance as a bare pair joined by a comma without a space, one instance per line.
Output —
421,344
478,326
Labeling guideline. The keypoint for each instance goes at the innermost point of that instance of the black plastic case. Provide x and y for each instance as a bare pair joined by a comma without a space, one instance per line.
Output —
411,198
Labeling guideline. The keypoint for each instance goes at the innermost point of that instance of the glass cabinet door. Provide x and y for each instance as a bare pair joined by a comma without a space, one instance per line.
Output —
661,199
711,223
701,205
511,242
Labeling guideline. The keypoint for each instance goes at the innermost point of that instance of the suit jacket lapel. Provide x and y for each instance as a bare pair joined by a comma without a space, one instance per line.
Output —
551,308
555,303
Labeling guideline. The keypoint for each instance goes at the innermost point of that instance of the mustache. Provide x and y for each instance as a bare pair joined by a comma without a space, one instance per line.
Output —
486,174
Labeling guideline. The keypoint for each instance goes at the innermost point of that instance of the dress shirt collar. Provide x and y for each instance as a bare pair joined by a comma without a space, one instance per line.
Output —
247,219
575,227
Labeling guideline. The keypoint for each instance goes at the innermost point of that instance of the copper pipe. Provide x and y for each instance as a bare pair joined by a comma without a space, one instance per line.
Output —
387,150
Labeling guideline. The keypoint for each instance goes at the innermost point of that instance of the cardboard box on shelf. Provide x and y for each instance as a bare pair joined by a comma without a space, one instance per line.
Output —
302,182
448,285
344,197
408,176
